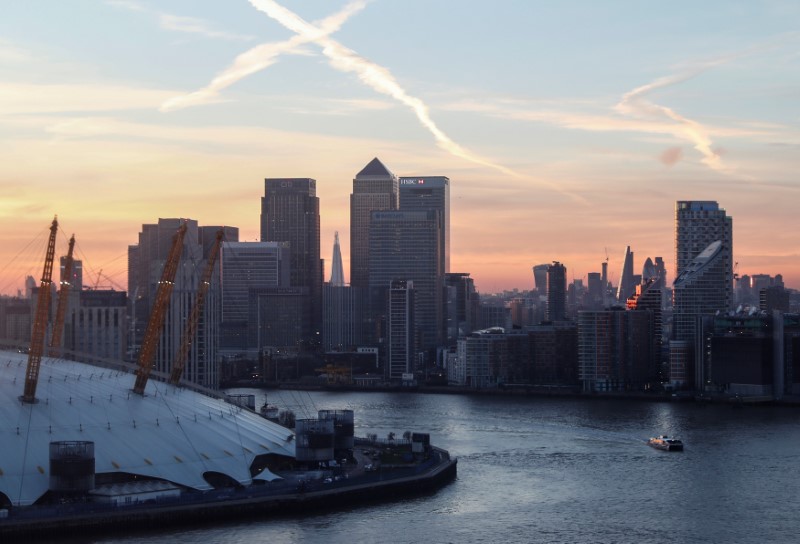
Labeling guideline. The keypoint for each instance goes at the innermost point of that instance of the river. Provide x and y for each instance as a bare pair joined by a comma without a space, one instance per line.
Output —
557,470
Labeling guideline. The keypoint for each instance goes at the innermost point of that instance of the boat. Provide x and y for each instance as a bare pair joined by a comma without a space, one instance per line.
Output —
665,443
269,411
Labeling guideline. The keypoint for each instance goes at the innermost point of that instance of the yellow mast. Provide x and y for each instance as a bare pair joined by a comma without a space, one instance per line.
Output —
40,320
191,325
163,294
61,310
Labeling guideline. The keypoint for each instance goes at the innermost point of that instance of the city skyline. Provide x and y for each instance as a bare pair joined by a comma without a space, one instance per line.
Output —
566,131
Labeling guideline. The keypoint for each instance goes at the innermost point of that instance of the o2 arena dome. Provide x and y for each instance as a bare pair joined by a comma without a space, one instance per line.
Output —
170,434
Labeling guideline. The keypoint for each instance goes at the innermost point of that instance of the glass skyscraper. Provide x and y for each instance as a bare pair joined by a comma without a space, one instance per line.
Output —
374,188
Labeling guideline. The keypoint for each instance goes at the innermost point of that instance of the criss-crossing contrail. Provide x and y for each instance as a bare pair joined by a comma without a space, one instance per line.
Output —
340,57
260,57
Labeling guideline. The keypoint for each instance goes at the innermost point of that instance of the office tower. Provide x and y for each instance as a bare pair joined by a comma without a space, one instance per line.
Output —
342,309
699,290
146,261
540,278
697,225
460,309
430,193
556,292
627,283
405,246
374,188
660,272
247,268
401,329
554,353
290,213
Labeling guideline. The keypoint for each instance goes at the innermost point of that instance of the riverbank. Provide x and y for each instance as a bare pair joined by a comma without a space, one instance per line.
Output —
303,497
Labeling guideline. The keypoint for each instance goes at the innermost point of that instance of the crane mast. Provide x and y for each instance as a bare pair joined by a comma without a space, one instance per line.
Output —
40,320
156,321
191,325
61,311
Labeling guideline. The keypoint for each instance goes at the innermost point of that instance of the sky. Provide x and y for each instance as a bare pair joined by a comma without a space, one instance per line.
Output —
568,129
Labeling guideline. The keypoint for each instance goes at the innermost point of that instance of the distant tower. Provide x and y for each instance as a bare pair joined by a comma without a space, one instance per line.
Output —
556,292
627,283
342,309
337,272
540,278
374,188
430,193
697,225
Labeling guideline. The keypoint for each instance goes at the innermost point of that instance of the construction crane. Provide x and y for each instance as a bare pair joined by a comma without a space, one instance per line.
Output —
156,321
61,310
40,320
191,326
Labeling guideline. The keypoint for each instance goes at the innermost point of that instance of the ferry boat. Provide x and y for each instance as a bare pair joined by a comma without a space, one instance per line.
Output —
666,443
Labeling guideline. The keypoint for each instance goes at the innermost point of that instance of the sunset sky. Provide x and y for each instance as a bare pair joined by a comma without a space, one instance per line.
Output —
568,129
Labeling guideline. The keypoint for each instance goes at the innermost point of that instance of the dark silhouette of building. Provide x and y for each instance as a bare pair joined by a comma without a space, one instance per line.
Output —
290,213
556,292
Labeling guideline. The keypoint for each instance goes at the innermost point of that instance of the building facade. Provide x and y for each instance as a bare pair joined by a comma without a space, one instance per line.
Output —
374,188
697,225
290,213
248,267
405,246
556,292
430,193
701,289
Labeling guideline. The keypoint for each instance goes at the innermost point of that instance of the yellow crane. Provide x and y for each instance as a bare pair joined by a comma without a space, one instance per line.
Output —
156,321
61,310
40,320
191,326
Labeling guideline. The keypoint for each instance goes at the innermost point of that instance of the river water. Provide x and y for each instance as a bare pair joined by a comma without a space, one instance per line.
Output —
557,470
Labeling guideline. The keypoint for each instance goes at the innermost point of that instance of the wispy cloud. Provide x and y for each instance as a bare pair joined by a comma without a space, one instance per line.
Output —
193,25
178,23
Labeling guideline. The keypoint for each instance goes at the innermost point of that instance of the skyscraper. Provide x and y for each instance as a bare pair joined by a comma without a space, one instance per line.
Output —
540,278
430,193
405,246
248,267
402,348
342,309
290,213
627,283
374,188
556,292
697,225
699,290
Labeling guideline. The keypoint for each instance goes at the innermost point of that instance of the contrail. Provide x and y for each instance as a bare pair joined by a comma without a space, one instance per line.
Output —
635,103
261,57
373,75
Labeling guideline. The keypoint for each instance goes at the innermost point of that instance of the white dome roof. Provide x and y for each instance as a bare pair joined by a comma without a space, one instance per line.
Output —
171,432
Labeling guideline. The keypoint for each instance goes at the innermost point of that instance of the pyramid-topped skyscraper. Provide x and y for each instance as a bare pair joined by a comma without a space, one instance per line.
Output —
375,187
